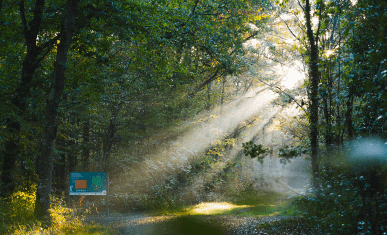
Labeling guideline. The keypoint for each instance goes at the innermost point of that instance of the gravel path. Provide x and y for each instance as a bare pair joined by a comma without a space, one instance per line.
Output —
142,224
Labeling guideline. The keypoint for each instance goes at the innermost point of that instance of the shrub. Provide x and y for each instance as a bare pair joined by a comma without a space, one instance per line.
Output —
351,199
17,217
3,216
20,208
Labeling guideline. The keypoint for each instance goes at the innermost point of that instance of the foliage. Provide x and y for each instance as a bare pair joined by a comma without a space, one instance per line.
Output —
346,98
127,76
20,208
136,68
351,197
17,217
286,153
348,197
255,151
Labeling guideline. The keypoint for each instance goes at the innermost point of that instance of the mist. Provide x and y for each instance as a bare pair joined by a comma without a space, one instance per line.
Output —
246,118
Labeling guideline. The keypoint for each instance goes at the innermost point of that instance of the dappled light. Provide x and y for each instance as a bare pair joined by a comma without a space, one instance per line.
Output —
209,208
328,53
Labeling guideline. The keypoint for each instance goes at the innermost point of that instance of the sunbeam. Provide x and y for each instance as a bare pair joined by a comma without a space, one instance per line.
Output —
249,116
178,154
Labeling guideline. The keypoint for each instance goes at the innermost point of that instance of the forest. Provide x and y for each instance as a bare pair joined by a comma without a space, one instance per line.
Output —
183,102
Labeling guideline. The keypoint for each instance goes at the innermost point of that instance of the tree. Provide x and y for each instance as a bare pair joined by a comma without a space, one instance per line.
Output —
46,157
314,78
124,76
19,98
351,60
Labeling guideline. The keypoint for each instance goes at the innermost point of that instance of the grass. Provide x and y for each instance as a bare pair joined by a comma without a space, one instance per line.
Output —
264,204
71,225
17,217
255,204
202,218
250,204
67,228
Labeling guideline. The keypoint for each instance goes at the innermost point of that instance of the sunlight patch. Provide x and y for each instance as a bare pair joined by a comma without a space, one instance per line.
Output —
292,76
209,208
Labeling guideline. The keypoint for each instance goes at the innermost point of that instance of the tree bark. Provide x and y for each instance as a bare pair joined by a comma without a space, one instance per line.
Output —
45,159
21,95
72,154
327,96
328,123
222,96
85,146
59,173
109,141
313,94
348,113
208,105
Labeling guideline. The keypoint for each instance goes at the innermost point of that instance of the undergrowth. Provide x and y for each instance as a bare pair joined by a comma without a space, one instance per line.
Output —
17,217
351,198
295,226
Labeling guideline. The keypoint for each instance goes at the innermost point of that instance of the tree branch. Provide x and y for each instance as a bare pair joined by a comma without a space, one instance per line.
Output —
23,18
201,86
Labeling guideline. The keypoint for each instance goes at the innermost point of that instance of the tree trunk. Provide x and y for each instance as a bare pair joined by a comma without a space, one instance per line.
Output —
59,174
21,95
328,123
208,105
11,150
327,96
72,153
222,96
313,94
45,159
85,145
108,143
348,113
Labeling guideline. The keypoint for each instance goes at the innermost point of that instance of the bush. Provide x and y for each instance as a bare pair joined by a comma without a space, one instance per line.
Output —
17,217
20,208
351,199
3,216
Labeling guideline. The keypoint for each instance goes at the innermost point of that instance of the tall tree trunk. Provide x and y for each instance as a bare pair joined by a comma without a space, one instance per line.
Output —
22,93
313,94
328,123
222,95
108,143
59,173
208,105
85,145
348,113
72,155
45,159
327,96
